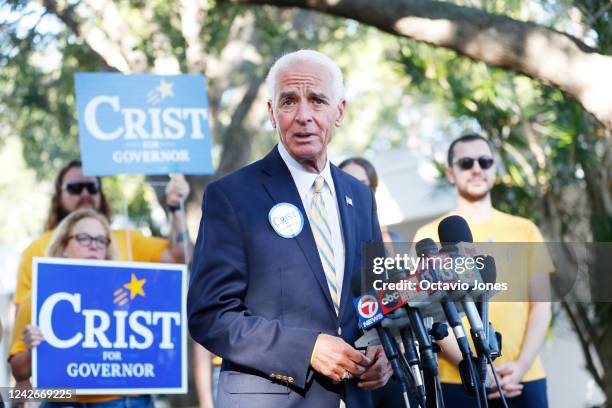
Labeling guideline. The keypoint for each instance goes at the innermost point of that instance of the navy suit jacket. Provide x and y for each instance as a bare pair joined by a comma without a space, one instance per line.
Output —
260,300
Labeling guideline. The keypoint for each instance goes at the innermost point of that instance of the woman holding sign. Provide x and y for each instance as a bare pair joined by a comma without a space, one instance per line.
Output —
84,234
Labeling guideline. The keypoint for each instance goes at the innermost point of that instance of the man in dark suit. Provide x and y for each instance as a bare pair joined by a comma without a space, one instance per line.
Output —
279,243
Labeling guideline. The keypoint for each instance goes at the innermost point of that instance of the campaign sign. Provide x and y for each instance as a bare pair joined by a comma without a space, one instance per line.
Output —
143,124
110,327
368,310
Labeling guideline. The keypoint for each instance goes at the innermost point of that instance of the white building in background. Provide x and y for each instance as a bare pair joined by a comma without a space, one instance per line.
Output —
410,193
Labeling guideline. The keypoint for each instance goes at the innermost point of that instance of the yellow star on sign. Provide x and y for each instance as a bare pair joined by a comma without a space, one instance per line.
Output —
135,287
165,89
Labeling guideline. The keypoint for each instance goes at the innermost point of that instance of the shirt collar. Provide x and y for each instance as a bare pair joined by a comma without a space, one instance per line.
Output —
303,178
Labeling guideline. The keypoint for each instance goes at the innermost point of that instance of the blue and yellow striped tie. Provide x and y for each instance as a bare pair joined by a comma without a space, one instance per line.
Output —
323,237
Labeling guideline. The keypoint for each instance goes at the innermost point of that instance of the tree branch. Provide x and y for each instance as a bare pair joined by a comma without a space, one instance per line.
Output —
69,19
193,15
237,141
539,52
119,39
585,343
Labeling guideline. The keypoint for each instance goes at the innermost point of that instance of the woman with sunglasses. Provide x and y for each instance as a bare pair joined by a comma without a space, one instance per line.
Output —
84,234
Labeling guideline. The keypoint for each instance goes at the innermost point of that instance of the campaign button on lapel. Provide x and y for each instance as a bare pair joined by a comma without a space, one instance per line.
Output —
286,219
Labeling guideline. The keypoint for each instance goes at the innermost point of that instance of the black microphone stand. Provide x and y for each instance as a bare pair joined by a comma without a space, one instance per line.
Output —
413,362
387,342
493,340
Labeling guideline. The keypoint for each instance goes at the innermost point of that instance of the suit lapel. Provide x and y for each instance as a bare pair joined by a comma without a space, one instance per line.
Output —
344,195
281,188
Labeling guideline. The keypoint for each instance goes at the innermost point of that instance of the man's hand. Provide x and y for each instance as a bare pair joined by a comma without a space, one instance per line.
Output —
510,374
32,336
176,189
332,357
379,372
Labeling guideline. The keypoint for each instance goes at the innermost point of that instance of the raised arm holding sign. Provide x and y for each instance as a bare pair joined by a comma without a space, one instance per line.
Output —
72,191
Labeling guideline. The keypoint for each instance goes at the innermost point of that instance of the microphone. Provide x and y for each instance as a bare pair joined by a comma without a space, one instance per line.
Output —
453,231
428,248
371,316
393,300
394,305
456,236
413,361
489,276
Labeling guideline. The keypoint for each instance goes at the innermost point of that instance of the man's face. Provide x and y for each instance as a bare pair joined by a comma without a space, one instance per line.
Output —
305,112
72,198
475,183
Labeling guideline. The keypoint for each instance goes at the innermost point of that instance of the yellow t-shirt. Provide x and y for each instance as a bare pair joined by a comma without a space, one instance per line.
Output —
509,318
144,249
24,317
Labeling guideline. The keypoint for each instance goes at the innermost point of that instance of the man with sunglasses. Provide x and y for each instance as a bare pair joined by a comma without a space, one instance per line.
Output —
73,190
471,168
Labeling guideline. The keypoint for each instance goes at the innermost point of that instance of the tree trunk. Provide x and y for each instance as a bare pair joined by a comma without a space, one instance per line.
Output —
539,52
597,176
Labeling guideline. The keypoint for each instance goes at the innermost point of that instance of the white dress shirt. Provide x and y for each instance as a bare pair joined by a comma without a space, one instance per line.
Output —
304,180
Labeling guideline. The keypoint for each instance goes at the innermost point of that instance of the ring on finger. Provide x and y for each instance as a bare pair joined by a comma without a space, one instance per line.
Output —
346,376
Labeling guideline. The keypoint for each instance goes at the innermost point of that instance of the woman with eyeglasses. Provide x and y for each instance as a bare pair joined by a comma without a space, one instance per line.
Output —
84,234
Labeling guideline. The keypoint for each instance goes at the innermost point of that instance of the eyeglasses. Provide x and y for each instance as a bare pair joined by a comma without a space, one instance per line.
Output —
85,240
466,163
77,188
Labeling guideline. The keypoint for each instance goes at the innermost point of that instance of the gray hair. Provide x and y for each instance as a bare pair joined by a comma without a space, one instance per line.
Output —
303,56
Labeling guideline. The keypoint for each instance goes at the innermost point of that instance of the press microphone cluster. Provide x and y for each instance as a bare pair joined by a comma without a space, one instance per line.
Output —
410,301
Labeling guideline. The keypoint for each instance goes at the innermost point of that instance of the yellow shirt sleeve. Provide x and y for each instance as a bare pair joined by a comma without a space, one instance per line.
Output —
143,249
24,273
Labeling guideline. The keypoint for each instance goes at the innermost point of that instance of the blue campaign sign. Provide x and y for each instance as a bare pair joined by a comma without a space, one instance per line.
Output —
110,327
143,124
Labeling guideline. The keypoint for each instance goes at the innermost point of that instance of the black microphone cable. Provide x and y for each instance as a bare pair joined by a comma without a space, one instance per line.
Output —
412,362
499,389
393,356
427,247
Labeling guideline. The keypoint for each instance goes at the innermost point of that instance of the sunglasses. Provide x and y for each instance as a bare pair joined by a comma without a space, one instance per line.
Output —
466,163
77,188
85,240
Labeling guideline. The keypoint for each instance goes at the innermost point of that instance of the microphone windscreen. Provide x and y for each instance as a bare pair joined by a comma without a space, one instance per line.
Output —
454,229
488,272
426,247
